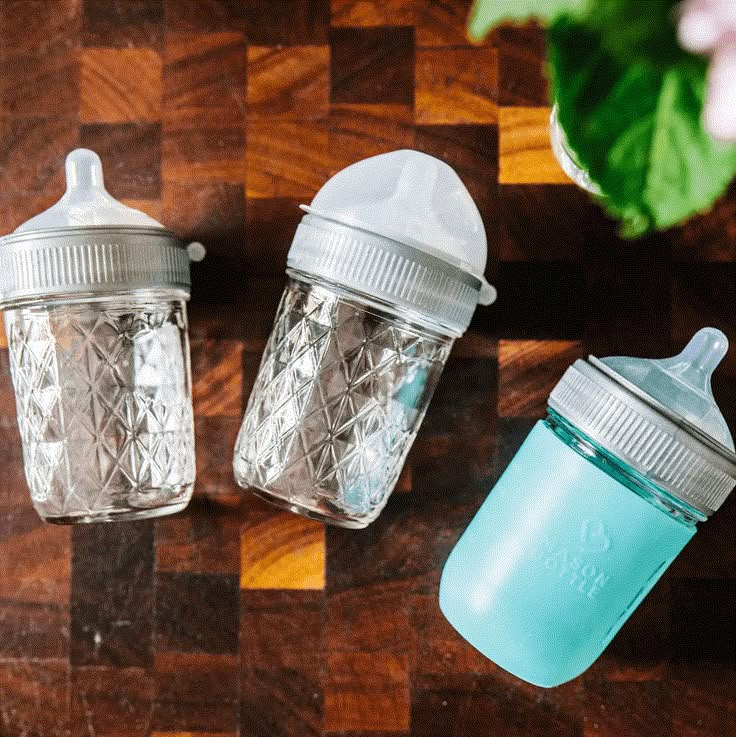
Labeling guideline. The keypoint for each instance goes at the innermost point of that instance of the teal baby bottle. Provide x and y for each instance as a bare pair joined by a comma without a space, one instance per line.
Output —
599,500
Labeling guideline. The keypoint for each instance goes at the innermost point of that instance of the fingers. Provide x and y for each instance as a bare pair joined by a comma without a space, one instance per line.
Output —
720,108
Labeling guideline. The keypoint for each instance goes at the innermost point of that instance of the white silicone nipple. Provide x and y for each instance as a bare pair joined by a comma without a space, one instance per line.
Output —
682,383
414,199
86,201
83,172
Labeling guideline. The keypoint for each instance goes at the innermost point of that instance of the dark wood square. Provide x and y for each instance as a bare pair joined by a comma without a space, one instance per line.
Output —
551,307
525,212
197,613
609,708
131,157
629,298
697,600
123,23
112,595
270,227
111,700
32,152
195,693
279,701
53,78
212,213
203,71
203,15
286,23
372,65
521,59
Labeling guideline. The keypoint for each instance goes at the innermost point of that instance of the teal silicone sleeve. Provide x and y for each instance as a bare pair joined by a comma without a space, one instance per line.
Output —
554,562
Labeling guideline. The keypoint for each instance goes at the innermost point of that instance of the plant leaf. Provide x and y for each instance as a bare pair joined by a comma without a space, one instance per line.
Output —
633,118
489,13
633,31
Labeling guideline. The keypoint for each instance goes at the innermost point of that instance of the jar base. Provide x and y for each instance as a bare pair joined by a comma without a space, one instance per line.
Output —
123,515
304,511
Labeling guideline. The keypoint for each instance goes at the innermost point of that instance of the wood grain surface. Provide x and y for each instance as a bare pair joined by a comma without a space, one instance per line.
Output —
233,618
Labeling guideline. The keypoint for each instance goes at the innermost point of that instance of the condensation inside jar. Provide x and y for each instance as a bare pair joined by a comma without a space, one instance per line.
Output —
104,406
340,395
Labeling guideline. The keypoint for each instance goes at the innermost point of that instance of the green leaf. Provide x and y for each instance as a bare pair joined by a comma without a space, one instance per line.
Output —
634,31
489,13
632,114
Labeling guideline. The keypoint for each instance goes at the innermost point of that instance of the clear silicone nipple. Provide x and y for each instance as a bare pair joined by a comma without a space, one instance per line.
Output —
682,383
86,201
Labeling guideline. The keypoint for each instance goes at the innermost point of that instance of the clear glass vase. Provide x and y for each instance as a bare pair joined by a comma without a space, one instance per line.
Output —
342,389
566,157
103,391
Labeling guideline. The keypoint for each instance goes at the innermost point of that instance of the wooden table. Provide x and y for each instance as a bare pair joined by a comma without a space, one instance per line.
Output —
219,118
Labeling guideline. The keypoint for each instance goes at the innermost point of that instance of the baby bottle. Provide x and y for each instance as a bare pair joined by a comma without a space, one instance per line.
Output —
385,271
601,497
94,296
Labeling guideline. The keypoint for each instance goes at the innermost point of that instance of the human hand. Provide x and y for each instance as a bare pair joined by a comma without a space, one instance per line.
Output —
709,27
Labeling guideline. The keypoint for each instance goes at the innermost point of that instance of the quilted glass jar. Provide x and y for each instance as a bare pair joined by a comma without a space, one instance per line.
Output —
94,297
341,392
365,325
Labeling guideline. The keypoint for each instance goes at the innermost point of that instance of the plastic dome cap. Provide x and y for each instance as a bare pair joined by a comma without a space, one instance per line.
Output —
682,383
86,202
414,199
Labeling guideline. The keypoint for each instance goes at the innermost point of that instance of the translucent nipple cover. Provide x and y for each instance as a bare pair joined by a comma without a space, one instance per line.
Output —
414,199
682,383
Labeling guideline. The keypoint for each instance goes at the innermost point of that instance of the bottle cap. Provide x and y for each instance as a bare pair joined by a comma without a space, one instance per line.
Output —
88,242
402,228
658,416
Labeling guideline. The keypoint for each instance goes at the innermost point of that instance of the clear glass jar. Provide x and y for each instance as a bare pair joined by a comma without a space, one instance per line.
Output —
104,399
342,389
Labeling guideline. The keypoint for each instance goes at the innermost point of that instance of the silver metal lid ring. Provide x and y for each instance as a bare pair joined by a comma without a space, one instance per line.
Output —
662,448
387,270
68,261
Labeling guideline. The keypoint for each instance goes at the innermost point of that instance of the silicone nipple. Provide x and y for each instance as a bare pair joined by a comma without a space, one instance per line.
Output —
695,365
86,202
85,185
682,383
83,172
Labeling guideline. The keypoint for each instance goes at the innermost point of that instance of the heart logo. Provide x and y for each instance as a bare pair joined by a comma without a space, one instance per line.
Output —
593,536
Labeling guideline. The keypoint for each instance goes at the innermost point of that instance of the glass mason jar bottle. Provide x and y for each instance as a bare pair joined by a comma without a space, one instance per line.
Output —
94,297
386,269
599,500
